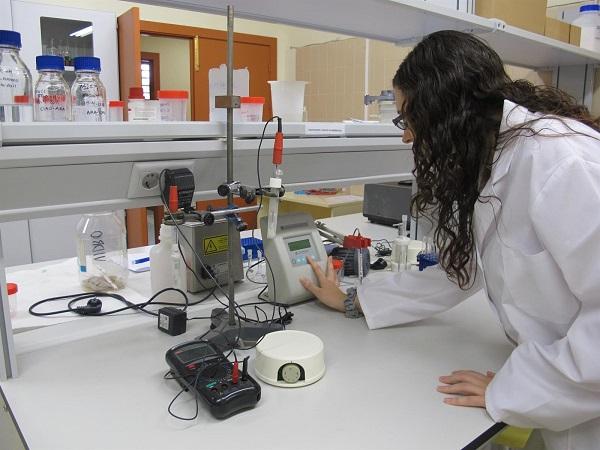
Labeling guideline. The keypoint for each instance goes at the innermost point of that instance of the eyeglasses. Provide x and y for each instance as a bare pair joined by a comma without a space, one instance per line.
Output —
400,122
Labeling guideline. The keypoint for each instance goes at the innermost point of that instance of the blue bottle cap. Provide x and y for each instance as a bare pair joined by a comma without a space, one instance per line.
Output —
10,38
86,63
586,8
49,62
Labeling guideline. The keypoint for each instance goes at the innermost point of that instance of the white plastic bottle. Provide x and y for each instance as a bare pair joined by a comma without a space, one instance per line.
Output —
400,247
52,95
167,269
88,93
589,22
15,80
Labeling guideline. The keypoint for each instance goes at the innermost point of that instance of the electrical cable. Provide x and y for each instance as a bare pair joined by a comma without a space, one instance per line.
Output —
75,298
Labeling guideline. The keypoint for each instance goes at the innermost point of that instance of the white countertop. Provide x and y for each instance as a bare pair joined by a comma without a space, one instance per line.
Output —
97,384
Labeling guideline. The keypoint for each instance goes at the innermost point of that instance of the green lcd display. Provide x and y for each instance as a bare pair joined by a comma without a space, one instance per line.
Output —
299,245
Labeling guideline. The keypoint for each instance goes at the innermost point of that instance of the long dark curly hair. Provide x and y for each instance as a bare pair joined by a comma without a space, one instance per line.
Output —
454,87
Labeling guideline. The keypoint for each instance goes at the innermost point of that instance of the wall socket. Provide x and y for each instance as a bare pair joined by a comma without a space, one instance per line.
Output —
144,181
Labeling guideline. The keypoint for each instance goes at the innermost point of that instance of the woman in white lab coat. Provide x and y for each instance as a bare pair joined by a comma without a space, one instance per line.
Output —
511,172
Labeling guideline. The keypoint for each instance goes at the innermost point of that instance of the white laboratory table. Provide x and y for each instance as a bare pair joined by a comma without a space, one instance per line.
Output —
103,388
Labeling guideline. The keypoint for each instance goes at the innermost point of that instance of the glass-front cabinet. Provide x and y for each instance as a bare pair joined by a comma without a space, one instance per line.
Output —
68,32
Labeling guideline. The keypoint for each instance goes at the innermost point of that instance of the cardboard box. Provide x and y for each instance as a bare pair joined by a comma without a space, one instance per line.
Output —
557,29
526,14
575,35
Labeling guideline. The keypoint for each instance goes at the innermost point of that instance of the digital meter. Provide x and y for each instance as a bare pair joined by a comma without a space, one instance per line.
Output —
296,238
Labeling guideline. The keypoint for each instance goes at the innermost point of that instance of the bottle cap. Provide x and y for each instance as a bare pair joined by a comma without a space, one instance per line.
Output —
12,288
172,94
136,93
337,264
86,63
586,8
256,100
116,104
49,62
10,38
22,99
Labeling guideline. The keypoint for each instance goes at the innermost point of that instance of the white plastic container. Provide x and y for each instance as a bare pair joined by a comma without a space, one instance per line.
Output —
115,110
141,110
387,111
12,289
167,269
252,109
287,99
589,22
173,105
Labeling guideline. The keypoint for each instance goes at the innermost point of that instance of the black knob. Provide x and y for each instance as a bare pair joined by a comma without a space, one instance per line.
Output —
208,219
223,190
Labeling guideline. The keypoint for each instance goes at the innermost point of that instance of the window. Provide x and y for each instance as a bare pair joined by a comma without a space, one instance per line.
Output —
150,74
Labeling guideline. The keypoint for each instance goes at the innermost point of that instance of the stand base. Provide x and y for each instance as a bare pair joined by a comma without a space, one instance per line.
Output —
225,335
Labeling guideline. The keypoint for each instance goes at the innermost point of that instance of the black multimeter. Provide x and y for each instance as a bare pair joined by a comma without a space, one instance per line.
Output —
201,368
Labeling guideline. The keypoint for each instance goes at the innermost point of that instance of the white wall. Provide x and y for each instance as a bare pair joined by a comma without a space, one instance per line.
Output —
287,37
174,62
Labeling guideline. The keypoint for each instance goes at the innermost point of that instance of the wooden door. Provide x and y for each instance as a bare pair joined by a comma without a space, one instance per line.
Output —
256,53
130,75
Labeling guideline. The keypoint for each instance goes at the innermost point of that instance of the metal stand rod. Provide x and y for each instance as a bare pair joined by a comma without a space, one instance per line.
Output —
8,359
230,225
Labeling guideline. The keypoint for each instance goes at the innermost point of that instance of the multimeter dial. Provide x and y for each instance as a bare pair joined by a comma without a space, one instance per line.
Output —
290,373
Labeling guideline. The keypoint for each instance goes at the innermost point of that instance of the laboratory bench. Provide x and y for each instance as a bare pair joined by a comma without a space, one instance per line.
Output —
98,382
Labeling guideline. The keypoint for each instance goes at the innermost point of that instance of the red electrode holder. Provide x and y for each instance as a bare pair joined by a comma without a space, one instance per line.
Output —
356,241
173,199
278,145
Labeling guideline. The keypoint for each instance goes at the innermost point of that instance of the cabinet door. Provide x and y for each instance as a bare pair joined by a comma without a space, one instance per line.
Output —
65,31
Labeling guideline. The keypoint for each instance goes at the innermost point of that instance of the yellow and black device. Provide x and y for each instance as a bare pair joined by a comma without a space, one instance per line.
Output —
211,244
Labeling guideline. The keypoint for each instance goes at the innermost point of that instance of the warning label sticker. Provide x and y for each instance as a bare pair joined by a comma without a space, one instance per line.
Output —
215,244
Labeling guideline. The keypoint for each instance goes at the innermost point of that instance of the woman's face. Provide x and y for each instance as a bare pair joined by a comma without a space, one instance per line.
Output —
408,136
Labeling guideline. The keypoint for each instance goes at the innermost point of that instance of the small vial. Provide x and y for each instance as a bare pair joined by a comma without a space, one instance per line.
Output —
12,289
51,96
88,93
338,268
115,110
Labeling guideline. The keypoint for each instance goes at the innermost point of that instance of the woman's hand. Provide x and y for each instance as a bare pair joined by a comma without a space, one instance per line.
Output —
469,385
327,292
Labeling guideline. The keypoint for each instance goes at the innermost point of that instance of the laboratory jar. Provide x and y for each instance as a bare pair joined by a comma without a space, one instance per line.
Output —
173,105
115,110
15,80
287,99
252,109
140,109
87,93
12,290
51,96
102,251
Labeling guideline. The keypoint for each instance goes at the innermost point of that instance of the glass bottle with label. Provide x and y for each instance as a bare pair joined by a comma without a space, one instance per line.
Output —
102,251
52,96
87,93
15,80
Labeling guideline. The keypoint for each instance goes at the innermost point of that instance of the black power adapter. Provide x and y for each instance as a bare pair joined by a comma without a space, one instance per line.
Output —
172,320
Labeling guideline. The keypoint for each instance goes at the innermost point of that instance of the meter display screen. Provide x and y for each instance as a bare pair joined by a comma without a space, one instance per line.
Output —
195,353
299,245
299,248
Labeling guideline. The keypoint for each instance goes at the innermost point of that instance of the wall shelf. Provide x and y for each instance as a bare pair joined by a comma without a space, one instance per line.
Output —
399,21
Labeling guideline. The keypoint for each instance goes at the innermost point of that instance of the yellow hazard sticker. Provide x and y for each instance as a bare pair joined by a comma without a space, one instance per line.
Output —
215,244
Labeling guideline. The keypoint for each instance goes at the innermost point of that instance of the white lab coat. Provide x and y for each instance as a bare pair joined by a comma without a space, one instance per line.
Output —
540,257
